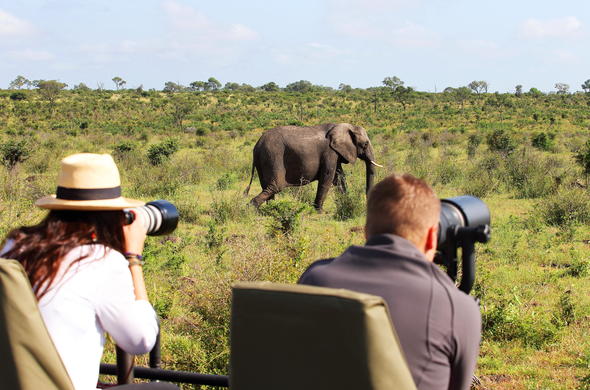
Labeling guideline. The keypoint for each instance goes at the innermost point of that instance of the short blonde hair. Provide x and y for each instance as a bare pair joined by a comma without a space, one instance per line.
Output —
402,205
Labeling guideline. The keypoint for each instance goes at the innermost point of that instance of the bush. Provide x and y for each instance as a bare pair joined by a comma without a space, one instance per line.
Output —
501,141
285,214
225,181
473,142
543,141
531,175
14,152
158,153
18,96
506,322
123,148
566,207
349,205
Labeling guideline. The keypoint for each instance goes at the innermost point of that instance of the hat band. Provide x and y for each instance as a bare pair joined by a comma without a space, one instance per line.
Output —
87,193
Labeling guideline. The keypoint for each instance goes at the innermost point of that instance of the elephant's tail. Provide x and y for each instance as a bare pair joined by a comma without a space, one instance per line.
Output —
251,178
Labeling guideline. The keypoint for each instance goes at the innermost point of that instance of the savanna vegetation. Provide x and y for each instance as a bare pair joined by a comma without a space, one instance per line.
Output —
527,155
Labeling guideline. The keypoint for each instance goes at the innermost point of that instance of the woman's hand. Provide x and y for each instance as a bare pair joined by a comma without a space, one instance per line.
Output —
135,234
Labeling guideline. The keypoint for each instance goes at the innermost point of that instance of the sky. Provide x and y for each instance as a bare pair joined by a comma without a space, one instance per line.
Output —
429,44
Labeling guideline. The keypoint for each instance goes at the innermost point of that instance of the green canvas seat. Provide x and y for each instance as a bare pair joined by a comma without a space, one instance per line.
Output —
295,337
29,360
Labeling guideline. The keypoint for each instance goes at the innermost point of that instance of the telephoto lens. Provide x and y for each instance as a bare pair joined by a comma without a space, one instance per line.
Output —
160,217
461,211
464,220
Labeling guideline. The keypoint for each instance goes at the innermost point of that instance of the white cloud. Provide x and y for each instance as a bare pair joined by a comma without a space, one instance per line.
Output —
187,21
10,25
412,35
31,55
483,49
565,57
567,27
310,53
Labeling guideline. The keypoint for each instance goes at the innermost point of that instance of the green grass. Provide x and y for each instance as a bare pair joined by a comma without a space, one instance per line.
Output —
533,278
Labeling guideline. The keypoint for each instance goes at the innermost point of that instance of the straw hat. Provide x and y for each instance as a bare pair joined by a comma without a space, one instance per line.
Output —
88,181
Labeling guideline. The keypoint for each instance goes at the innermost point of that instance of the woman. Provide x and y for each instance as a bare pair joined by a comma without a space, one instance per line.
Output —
85,266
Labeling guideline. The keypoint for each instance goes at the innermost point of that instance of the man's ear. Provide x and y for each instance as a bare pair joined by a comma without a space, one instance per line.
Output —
431,242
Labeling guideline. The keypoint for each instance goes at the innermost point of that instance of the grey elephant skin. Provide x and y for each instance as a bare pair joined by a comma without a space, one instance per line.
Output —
292,156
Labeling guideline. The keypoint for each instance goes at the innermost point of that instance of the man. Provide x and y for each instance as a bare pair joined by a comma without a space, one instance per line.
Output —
438,325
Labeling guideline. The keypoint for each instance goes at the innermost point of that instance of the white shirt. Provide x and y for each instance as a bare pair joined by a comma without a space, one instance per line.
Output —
93,296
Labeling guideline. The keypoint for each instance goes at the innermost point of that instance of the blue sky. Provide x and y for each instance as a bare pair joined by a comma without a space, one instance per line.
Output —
427,43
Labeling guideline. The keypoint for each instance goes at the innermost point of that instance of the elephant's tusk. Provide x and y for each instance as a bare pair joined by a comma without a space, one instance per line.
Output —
377,165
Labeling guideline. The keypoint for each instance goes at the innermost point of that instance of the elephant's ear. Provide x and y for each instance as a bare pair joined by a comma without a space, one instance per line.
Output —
341,140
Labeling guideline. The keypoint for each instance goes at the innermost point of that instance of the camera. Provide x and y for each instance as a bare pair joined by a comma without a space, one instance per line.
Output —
464,220
160,217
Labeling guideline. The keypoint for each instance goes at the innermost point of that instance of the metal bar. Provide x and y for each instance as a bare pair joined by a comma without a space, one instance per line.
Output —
170,375
124,367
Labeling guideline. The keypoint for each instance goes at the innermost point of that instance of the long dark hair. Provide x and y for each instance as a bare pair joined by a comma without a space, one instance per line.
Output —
41,248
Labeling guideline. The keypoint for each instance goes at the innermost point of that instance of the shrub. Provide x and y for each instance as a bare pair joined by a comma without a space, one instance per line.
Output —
350,204
481,178
285,215
229,208
566,309
566,207
19,95
13,152
162,151
123,148
500,141
473,142
225,181
506,321
543,141
531,175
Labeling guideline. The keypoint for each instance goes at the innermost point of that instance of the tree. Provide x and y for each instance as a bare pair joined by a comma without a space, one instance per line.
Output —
518,90
231,86
119,82
49,89
299,86
81,87
462,94
19,82
247,88
534,92
270,87
586,86
197,86
344,87
403,95
180,108
562,88
392,82
212,84
478,86
172,87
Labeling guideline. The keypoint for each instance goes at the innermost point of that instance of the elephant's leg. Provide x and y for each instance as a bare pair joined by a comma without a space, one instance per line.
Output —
325,181
340,179
267,193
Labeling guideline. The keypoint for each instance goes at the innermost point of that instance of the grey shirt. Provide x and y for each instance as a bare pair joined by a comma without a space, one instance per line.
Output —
438,325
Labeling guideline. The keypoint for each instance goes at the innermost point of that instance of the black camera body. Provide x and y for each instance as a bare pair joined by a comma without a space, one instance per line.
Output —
464,220
160,217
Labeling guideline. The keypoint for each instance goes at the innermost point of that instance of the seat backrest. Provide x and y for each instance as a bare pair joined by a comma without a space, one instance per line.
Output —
295,337
29,358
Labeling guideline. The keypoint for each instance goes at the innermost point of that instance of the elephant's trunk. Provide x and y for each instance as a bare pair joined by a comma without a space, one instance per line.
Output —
370,176
370,164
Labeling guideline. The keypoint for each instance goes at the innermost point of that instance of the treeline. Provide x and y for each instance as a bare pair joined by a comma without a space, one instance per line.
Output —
392,83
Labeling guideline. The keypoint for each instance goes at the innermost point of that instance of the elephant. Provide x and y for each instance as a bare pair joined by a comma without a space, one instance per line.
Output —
292,156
